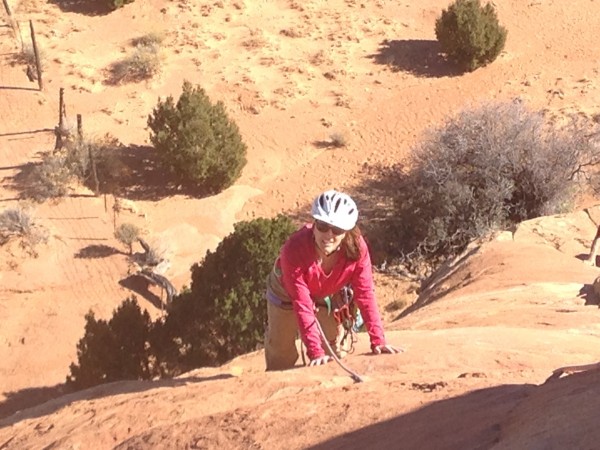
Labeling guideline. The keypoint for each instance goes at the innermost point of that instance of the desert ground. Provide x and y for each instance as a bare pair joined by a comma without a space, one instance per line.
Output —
480,341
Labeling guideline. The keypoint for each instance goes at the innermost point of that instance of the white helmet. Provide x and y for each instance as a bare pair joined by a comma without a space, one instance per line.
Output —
335,208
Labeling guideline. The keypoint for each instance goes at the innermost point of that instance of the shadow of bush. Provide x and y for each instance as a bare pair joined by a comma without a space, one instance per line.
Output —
147,180
587,293
418,57
140,286
96,251
22,180
375,199
29,397
138,176
85,7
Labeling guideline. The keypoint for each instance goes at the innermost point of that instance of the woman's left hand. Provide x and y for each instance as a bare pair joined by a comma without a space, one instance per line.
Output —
379,349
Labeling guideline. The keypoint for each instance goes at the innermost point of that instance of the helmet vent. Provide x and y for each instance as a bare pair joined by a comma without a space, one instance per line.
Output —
322,201
337,205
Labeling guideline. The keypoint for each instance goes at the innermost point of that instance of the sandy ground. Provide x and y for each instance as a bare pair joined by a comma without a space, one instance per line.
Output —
292,74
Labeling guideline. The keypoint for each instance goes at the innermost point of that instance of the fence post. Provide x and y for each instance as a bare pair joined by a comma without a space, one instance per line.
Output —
7,8
59,130
79,127
61,102
37,56
94,171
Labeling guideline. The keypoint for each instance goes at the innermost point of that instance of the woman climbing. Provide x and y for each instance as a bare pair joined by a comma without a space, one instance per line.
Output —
315,263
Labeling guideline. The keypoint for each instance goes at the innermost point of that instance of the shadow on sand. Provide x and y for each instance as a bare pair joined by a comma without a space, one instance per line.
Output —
139,176
85,7
470,421
96,251
587,293
145,179
140,286
15,407
418,57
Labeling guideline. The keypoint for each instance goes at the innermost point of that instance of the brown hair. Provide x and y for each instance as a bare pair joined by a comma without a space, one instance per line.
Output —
351,243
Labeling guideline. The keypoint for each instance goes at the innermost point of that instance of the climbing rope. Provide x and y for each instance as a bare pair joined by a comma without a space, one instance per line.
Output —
357,378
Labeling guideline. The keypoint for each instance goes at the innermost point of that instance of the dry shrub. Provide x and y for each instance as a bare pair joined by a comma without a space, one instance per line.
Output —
152,39
342,101
16,221
338,140
267,61
256,40
20,222
143,64
320,58
91,157
27,57
79,161
51,178
155,256
28,6
395,305
156,252
291,32
254,43
485,169
294,4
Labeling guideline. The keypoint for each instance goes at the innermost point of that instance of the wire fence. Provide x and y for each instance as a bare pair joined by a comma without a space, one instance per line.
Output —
36,62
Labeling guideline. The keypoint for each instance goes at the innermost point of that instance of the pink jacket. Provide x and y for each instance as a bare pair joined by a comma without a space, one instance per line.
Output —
304,282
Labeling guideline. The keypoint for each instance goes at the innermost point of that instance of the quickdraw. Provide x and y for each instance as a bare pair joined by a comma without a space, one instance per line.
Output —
345,312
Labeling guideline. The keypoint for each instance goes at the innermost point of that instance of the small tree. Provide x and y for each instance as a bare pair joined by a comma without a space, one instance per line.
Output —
224,313
113,350
470,34
127,234
196,141
95,357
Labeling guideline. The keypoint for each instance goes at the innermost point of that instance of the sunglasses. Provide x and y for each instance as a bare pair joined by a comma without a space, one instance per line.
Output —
325,227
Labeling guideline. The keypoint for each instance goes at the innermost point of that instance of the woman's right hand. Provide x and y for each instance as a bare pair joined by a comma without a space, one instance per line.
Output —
320,361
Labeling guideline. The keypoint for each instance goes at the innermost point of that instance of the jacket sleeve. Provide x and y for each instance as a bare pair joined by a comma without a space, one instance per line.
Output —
297,289
364,296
